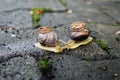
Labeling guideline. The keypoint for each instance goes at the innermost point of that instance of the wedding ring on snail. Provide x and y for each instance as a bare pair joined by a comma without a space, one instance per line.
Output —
79,35
47,40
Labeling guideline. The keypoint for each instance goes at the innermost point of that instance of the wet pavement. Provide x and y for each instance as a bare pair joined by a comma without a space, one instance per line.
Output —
19,57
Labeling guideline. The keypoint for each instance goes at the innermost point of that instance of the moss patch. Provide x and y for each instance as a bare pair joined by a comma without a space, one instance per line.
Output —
63,2
44,64
36,13
35,18
104,46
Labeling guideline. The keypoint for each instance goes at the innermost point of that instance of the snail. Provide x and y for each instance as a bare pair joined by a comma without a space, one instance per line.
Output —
47,37
79,32
48,40
79,35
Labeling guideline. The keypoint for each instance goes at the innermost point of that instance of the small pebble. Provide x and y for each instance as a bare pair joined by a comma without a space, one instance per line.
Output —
104,68
17,31
6,31
115,75
117,36
69,11
117,33
13,35
2,28
89,20
31,12
3,44
10,29
13,32
18,36
9,48
89,2
61,58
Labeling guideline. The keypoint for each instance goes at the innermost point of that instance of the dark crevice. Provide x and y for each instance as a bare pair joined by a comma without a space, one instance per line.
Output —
13,10
6,57
29,9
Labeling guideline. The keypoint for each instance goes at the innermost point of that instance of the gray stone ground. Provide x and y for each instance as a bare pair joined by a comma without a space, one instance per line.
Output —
18,56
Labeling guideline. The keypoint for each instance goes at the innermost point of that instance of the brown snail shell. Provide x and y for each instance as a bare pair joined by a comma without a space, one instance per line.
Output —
77,26
44,29
47,37
80,36
79,31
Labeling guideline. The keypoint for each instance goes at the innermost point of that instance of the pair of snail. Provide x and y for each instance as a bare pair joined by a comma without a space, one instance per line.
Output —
48,40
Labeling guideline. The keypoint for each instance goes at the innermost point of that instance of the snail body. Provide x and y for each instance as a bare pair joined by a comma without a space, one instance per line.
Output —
47,37
79,31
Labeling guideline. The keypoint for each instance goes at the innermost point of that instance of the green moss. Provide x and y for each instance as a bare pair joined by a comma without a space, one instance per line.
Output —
63,2
91,22
36,16
115,24
44,64
106,12
104,46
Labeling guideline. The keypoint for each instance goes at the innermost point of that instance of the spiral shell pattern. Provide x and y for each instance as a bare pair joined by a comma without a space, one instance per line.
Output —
79,31
48,39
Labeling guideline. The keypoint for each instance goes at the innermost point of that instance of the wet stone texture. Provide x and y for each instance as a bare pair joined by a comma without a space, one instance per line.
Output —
78,69
19,57
16,19
20,68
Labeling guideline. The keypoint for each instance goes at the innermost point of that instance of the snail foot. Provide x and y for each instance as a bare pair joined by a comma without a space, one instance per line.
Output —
55,49
71,44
